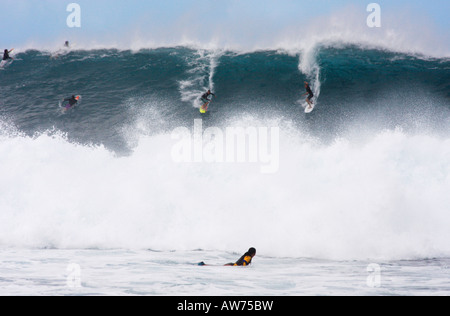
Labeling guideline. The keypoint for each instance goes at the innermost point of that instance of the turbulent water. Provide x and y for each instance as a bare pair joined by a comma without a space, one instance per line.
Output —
366,175
125,272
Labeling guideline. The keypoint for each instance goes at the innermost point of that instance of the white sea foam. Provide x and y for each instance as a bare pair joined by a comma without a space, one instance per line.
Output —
123,272
385,198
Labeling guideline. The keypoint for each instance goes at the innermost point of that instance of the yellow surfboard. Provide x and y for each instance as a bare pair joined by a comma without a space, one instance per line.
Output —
204,108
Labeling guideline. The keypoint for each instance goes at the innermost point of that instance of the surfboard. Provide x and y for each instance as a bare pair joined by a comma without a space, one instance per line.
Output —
308,108
68,106
6,63
204,109
202,264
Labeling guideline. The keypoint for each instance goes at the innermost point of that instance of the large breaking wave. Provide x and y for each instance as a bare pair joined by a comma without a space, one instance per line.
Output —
366,175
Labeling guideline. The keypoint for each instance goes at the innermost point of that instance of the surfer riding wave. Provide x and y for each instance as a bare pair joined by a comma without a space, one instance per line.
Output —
310,95
205,100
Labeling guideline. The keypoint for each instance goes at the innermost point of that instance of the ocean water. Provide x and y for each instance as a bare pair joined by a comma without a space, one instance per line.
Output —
88,272
356,202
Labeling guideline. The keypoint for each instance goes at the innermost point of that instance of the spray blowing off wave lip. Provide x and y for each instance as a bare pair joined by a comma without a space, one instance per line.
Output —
291,49
345,26
384,199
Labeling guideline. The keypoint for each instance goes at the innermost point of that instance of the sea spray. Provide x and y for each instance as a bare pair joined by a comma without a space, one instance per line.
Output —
384,199
365,176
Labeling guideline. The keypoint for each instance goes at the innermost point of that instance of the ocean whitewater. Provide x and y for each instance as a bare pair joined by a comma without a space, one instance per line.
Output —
93,201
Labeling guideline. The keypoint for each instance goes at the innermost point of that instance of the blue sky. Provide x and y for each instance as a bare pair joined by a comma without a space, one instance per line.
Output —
44,21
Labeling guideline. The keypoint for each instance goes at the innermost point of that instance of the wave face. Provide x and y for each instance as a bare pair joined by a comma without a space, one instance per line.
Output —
366,175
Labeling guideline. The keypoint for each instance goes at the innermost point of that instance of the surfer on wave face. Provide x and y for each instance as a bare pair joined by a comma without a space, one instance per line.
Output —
6,54
205,97
205,100
310,94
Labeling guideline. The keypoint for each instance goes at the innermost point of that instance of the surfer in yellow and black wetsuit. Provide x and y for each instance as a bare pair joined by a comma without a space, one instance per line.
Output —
245,260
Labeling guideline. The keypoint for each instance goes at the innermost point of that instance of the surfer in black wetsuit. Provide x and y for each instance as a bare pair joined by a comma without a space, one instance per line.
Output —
205,98
310,94
6,54
72,101
244,261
